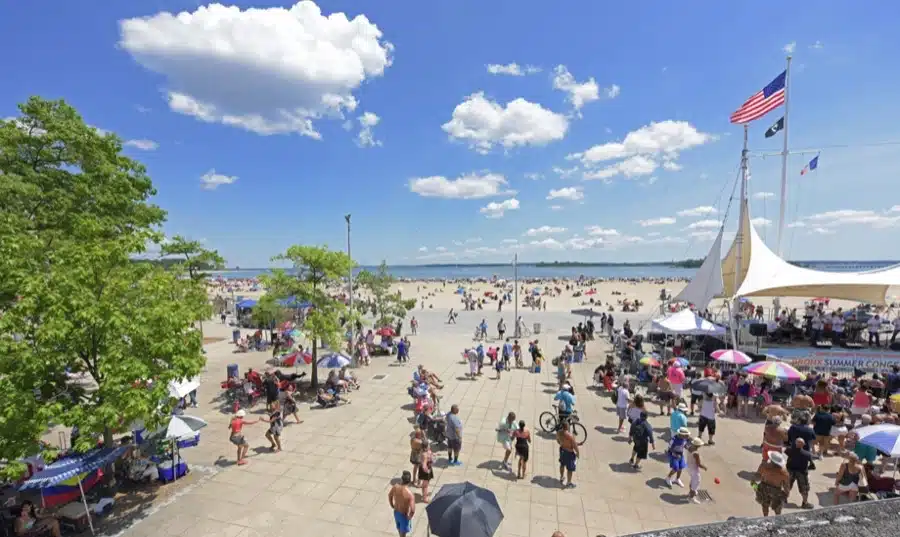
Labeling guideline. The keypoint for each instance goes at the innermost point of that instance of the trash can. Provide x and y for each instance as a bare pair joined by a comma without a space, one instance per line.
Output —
233,371
235,336
537,328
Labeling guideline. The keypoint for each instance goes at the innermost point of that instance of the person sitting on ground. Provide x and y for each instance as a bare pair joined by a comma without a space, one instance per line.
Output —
29,521
348,377
327,399
334,383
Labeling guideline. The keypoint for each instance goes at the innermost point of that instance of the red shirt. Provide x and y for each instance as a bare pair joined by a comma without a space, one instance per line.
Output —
236,425
710,372
821,398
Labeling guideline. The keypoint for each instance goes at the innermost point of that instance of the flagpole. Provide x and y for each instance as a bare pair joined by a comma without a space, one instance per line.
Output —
739,242
784,158
516,295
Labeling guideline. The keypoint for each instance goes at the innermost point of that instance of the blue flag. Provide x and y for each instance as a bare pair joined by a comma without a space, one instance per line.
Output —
813,164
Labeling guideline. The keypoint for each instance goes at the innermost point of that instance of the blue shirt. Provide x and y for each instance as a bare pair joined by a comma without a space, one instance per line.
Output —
507,349
454,427
566,401
480,351
677,421
401,348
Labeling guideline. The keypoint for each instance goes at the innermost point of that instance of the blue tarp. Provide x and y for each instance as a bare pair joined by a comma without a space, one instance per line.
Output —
291,302
247,303
70,467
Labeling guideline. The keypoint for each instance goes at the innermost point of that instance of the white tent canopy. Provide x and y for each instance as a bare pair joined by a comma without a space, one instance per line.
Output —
688,323
707,283
759,272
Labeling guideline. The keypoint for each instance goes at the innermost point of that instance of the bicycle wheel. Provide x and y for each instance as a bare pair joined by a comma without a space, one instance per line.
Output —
578,431
548,422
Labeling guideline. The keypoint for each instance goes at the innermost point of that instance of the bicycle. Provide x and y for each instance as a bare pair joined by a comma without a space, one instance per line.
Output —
550,424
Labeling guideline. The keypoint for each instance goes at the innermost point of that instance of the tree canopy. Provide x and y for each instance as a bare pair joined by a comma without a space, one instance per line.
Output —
389,305
83,329
318,270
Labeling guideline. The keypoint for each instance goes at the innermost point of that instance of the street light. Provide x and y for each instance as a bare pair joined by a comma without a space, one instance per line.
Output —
350,286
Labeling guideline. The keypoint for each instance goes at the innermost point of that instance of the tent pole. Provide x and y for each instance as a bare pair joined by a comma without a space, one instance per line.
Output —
87,510
739,240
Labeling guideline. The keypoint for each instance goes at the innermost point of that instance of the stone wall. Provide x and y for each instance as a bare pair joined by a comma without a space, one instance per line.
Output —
863,519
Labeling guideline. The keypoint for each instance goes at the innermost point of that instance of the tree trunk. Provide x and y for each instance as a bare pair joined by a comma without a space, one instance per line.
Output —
314,373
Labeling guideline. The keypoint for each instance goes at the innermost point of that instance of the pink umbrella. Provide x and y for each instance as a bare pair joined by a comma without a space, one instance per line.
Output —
731,357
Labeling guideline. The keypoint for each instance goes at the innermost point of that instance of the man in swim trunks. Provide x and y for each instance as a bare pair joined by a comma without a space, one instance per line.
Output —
403,503
568,453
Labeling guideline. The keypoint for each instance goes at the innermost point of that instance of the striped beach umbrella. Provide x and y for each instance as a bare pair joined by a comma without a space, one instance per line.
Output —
729,356
649,360
678,362
778,370
885,437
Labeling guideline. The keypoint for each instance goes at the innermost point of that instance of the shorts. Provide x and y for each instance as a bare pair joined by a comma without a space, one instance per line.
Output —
706,423
404,525
454,444
677,389
666,396
677,462
621,412
640,450
695,481
507,445
522,452
695,398
239,440
567,459
852,487
425,475
802,480
838,431
770,496
276,430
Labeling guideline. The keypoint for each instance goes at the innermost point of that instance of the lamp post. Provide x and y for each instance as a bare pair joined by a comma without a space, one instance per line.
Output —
350,287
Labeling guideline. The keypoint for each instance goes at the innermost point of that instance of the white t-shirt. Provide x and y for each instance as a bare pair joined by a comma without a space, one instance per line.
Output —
874,324
622,401
708,408
837,323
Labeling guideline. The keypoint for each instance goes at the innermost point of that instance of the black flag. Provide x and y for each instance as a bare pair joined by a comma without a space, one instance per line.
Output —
777,126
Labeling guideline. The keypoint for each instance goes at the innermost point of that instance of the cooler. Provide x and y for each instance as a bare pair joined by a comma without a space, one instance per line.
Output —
189,441
170,472
233,371
537,328
235,336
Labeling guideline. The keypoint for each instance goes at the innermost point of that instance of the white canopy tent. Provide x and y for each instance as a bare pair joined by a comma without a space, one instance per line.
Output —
707,283
687,323
751,269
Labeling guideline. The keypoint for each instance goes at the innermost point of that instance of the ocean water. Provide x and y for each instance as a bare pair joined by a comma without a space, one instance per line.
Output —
426,272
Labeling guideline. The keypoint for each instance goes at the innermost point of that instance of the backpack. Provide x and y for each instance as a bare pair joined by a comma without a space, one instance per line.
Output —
639,432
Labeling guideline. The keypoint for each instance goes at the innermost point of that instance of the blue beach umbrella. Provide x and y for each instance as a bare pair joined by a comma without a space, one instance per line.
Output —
334,360
884,437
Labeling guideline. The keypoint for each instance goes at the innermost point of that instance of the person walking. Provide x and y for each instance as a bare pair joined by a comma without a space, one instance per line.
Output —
677,463
236,435
641,436
501,329
504,437
426,469
414,325
772,488
522,437
622,397
402,501
276,426
568,454
694,465
799,460
707,420
454,436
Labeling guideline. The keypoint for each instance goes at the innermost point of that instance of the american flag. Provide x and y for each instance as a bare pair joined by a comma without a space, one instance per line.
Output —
763,102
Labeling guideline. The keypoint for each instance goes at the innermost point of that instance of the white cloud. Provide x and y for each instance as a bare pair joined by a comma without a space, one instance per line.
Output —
790,47
598,231
565,173
267,70
654,234
440,249
844,217
484,123
894,209
763,195
702,210
821,231
423,249
797,224
497,210
671,166
705,224
613,91
212,180
556,207
549,242
641,150
512,69
534,176
367,122
579,93
472,186
510,241
661,221
635,166
568,193
544,230
818,45
143,145
760,222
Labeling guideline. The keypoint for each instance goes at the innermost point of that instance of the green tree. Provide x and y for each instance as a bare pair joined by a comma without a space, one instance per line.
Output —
82,327
268,312
194,261
318,269
390,305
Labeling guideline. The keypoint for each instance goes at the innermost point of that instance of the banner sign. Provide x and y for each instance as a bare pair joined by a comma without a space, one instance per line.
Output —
839,360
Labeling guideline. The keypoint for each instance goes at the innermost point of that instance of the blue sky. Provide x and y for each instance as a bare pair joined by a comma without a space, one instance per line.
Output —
274,107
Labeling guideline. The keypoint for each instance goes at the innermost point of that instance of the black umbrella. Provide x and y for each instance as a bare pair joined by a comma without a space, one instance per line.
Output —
463,510
708,386
585,313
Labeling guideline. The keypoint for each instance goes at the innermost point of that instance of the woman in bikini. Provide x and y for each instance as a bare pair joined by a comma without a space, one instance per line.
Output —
426,470
523,439
236,435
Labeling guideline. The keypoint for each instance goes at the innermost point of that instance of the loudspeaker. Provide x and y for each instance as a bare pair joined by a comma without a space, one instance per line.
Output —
759,330
823,344
655,337
852,345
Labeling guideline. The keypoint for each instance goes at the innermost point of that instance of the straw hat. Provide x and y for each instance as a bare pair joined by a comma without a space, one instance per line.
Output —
683,431
777,458
697,442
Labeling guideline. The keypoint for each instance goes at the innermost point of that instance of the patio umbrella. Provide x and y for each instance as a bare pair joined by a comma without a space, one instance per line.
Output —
463,510
334,360
184,425
591,292
678,362
385,331
77,467
179,389
287,326
649,360
779,370
708,386
584,312
729,356
290,360
885,437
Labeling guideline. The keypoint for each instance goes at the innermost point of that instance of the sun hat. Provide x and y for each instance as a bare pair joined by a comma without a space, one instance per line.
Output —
777,458
241,413
684,431
682,407
697,442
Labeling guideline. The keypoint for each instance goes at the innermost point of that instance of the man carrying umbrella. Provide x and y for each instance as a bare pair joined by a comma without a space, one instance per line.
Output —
403,503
